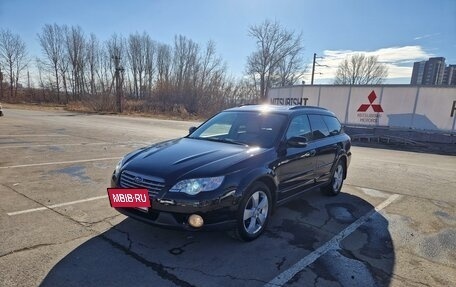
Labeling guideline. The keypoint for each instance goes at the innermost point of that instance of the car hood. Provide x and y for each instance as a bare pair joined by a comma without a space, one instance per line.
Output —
188,158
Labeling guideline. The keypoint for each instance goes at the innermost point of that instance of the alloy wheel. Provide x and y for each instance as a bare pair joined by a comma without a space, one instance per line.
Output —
255,212
338,177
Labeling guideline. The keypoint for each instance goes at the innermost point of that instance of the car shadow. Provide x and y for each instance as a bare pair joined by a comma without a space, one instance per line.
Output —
134,254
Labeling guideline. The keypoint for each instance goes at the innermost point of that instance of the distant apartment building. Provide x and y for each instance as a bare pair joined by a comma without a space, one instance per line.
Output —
449,77
433,72
418,73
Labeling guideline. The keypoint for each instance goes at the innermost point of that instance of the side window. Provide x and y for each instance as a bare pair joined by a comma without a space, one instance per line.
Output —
333,125
319,128
299,127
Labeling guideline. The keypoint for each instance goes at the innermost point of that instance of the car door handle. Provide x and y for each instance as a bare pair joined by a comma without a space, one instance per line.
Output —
310,153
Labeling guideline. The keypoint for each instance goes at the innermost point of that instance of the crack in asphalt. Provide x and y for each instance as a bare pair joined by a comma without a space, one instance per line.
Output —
160,269
89,224
27,248
157,267
130,242
219,275
180,249
47,207
316,280
327,220
33,247
280,263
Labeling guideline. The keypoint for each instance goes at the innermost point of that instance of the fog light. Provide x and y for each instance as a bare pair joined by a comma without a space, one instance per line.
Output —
195,221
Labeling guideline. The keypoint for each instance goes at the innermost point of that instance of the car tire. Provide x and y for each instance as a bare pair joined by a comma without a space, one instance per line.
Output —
253,212
337,179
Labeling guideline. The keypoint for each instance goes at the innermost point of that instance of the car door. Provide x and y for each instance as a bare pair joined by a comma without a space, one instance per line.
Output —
326,148
296,166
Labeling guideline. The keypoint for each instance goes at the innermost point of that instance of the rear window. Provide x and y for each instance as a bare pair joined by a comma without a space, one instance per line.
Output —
319,128
333,125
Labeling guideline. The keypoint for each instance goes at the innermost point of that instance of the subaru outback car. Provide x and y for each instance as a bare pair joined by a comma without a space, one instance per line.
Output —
235,168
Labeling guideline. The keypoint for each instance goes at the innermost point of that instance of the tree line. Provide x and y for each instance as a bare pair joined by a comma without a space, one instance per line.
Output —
183,76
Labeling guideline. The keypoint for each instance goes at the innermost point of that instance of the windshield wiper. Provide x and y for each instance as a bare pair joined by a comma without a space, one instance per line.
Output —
223,140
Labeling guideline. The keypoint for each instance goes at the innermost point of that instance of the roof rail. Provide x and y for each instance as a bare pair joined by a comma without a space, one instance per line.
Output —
306,107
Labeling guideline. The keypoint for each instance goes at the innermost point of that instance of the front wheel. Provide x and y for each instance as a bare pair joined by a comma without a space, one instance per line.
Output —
253,213
337,179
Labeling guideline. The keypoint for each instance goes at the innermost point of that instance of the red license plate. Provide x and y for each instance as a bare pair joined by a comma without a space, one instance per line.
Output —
129,197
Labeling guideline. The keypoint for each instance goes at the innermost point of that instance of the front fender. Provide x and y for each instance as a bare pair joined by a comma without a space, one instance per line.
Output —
259,174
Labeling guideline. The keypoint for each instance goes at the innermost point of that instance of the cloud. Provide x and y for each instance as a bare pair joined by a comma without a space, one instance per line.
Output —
399,61
426,36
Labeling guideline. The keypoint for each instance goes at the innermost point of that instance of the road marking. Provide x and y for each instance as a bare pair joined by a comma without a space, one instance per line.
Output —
285,276
45,145
56,205
76,144
59,162
33,135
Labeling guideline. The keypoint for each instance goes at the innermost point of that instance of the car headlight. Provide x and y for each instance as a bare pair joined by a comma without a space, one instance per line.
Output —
118,167
197,185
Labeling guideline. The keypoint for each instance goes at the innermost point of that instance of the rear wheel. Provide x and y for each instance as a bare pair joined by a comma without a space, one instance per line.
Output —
337,179
254,212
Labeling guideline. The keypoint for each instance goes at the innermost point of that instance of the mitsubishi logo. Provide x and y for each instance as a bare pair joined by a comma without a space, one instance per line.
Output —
376,107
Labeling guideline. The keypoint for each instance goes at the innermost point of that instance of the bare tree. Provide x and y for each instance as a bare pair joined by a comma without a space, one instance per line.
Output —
141,56
290,70
135,58
13,56
104,71
275,46
183,77
92,50
150,49
75,47
360,69
52,45
184,60
210,63
116,51
164,62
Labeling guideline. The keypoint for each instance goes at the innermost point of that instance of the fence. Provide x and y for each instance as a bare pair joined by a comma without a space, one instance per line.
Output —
394,106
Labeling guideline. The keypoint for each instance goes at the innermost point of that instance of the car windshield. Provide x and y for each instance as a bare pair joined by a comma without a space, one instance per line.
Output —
246,128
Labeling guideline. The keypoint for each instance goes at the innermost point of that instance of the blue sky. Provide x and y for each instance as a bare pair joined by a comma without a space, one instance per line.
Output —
398,31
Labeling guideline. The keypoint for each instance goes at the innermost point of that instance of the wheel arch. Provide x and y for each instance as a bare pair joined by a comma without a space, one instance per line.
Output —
260,175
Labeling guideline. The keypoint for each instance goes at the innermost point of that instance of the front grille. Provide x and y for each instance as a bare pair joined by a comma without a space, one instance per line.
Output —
136,180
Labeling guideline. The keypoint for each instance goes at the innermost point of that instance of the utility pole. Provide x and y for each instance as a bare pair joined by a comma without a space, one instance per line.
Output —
119,83
28,85
313,69
1,84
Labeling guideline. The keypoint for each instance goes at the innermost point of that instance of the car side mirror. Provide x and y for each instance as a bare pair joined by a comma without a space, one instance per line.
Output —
191,130
297,142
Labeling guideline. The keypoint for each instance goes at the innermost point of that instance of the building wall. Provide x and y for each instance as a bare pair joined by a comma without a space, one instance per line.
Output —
397,106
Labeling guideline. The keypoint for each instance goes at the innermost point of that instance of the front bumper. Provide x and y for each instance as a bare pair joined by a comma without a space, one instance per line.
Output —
178,221
218,213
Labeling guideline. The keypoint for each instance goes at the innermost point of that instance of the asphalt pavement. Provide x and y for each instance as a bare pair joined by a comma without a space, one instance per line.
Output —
394,224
